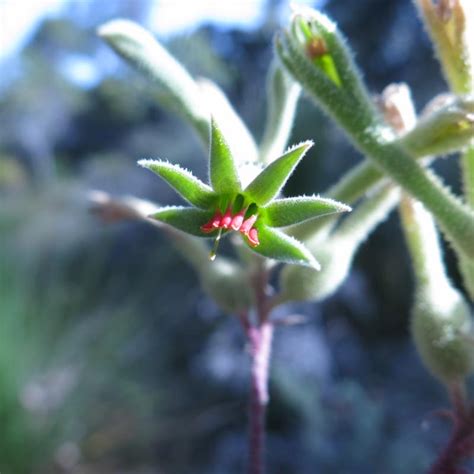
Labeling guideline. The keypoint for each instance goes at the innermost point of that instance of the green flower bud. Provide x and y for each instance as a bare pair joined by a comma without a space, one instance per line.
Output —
446,130
305,284
228,284
441,328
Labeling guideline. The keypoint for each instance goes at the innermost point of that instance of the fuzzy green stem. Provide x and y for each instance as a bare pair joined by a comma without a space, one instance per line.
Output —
356,227
375,139
466,265
282,98
423,242
141,50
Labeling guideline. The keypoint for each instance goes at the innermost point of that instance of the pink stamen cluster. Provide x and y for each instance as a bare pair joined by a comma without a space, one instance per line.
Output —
235,222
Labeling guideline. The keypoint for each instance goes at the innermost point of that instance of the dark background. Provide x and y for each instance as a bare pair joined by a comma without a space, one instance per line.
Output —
112,360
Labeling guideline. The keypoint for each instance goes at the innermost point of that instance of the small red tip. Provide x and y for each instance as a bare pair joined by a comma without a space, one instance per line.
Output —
247,224
238,220
227,219
216,220
207,228
252,237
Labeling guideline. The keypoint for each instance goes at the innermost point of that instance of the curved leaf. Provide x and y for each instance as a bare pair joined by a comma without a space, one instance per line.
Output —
279,246
289,211
272,179
222,170
184,182
186,219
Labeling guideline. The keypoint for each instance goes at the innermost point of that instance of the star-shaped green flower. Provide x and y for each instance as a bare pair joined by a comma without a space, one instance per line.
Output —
255,211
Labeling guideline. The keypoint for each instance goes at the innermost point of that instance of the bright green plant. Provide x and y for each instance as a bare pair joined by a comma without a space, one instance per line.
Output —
246,180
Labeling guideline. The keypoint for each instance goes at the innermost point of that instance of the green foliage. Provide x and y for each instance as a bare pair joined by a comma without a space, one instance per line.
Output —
315,56
222,170
54,367
255,202
284,248
186,219
271,180
188,186
289,211
352,108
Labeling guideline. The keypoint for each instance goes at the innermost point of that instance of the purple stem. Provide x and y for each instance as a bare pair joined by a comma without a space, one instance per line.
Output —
260,347
461,444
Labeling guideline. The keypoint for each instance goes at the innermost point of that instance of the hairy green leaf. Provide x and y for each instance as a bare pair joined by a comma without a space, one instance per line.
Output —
289,211
279,246
222,171
186,219
184,182
272,179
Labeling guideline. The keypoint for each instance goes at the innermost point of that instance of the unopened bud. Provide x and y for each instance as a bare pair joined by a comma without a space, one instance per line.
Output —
441,328
228,284
446,130
305,284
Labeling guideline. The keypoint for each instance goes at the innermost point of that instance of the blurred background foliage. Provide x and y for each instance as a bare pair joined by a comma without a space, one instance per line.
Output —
111,357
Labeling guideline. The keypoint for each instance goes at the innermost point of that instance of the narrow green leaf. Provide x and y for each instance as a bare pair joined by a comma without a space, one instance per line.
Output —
186,219
289,211
279,246
272,179
222,171
184,182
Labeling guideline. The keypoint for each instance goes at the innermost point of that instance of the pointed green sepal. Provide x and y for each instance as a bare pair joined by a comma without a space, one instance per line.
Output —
272,179
279,246
184,182
289,211
222,170
186,219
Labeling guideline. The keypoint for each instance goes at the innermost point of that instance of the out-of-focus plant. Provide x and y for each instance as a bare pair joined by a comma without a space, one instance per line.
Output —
287,240
55,370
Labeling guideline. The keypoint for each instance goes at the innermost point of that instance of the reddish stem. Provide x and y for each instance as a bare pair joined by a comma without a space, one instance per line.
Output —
461,444
260,341
260,337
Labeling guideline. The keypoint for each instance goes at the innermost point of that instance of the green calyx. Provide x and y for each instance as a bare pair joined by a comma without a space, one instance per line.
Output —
255,211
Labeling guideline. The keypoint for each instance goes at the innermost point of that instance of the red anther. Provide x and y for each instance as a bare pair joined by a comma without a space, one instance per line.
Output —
252,237
237,220
248,224
208,227
213,224
216,220
227,219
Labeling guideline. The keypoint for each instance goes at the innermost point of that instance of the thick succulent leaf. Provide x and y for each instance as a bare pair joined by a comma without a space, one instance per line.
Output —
289,211
272,179
186,219
188,186
222,170
279,246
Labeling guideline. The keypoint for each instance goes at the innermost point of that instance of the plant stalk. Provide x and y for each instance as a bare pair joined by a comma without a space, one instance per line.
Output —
260,342
259,335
